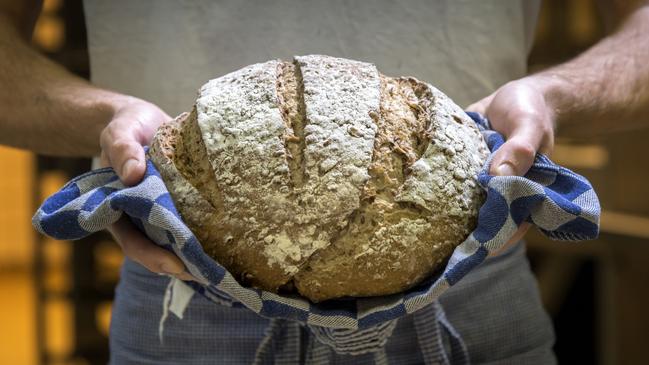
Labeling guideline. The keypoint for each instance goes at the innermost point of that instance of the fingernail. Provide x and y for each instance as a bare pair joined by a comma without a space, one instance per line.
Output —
505,169
170,269
128,167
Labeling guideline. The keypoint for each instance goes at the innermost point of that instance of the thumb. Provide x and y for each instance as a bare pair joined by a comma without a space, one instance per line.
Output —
516,156
122,150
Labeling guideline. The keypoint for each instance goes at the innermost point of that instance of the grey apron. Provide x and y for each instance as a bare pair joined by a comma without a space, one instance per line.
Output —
496,310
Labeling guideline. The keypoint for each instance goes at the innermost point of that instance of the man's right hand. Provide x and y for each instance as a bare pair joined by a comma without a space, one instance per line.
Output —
133,125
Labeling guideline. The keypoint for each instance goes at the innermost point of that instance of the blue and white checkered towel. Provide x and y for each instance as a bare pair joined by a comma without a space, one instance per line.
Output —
562,204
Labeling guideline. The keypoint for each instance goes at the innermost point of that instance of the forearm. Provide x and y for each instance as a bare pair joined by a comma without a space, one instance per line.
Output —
607,87
44,107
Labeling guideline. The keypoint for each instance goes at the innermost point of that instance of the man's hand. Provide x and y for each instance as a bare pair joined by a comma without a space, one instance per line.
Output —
602,90
50,111
132,126
520,111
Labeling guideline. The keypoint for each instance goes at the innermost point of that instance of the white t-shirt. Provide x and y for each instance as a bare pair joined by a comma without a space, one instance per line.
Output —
163,51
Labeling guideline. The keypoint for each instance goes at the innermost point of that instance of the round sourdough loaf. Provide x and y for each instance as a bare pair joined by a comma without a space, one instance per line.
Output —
324,176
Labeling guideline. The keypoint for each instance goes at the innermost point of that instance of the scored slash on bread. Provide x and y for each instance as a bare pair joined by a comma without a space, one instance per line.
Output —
323,175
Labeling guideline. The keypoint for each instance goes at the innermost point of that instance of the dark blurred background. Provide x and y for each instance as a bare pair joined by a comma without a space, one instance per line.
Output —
55,296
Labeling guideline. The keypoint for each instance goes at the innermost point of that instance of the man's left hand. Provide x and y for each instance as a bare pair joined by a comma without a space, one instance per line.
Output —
520,111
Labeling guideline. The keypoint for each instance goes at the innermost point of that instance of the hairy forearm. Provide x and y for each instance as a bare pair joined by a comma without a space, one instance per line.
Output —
607,87
44,107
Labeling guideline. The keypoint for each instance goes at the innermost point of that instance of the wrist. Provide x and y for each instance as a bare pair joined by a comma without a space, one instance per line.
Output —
552,88
557,94
99,108
113,103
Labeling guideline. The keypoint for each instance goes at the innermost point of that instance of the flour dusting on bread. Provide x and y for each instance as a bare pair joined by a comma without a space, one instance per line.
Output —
324,175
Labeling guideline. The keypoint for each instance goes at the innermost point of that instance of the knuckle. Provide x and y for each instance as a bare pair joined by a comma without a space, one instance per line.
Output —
109,135
120,145
115,131
524,148
112,129
528,116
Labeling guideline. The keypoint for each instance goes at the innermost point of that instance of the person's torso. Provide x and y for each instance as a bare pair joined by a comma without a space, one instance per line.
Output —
163,51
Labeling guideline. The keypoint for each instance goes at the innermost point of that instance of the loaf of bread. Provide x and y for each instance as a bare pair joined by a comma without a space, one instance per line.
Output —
324,176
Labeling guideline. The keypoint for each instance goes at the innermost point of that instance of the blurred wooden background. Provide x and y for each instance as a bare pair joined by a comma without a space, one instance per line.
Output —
55,296
595,291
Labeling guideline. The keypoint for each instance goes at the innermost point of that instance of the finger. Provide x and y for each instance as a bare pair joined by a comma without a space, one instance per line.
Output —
518,235
516,155
123,150
186,276
514,158
140,249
